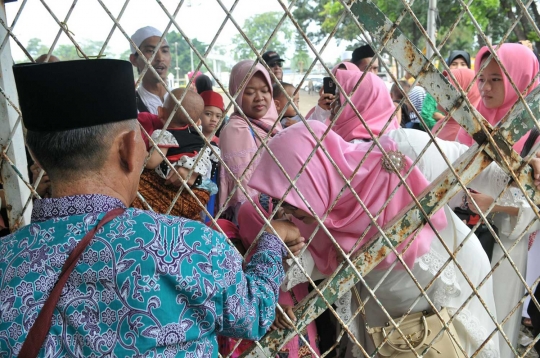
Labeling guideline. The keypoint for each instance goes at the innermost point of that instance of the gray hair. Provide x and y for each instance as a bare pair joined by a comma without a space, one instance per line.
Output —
75,152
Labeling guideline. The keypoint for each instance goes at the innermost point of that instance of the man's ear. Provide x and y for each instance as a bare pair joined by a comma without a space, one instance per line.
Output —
128,151
133,59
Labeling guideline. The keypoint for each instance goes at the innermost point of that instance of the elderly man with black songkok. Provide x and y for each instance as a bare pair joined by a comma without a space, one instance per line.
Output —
91,277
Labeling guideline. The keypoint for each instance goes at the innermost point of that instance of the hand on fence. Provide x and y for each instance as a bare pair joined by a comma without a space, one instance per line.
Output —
289,233
281,321
482,200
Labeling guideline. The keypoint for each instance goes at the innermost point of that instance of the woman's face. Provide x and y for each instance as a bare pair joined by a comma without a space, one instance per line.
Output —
458,62
299,214
491,85
257,97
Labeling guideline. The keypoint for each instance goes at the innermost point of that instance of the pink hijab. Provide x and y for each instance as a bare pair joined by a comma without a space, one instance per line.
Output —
464,76
373,101
238,143
522,65
320,184
349,66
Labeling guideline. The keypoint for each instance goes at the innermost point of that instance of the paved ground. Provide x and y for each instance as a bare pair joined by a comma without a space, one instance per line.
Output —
307,101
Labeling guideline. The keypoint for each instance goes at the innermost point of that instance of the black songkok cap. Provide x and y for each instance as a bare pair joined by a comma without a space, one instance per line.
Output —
60,96
362,52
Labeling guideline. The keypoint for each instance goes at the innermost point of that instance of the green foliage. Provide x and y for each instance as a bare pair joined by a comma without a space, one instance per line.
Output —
326,14
258,29
308,12
36,48
301,61
89,47
184,53
67,52
125,55
462,38
533,36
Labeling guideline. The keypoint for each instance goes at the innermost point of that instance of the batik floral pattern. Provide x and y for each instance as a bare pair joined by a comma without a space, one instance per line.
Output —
147,285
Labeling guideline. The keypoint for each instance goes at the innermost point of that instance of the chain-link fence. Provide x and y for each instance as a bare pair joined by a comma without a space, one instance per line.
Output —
373,310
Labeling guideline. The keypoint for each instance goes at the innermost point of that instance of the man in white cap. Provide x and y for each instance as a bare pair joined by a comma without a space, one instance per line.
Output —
151,92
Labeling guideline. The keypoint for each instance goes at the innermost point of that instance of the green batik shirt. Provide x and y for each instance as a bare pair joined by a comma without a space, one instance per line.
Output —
147,285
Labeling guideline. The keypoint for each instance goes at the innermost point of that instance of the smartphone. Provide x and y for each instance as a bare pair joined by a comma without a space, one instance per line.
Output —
329,86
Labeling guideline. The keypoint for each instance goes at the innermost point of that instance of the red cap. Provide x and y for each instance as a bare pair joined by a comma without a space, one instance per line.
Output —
212,98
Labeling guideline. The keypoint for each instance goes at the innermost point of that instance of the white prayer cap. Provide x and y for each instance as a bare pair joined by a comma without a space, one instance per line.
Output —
142,34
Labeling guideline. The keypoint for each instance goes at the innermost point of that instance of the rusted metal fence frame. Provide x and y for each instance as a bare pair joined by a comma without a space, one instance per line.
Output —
353,269
447,108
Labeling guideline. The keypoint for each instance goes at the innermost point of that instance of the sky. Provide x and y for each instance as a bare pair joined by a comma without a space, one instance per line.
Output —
199,19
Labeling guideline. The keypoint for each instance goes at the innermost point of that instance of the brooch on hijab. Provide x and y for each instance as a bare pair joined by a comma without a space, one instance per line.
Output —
394,157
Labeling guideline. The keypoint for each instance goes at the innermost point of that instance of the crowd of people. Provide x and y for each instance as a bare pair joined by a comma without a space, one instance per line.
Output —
148,274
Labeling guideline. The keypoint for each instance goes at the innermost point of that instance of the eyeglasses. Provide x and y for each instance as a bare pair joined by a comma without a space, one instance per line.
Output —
284,205
276,64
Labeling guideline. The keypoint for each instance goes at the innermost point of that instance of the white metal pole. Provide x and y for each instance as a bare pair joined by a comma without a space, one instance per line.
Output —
176,68
191,53
431,26
15,190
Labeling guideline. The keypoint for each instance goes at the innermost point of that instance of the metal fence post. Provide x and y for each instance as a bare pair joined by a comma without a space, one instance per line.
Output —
12,139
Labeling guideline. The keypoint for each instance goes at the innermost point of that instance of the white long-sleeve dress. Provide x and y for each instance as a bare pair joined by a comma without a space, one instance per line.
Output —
508,286
398,291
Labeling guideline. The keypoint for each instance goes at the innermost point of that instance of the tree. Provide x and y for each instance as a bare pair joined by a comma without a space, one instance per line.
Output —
301,59
67,52
125,55
307,12
36,48
184,53
325,14
258,30
90,48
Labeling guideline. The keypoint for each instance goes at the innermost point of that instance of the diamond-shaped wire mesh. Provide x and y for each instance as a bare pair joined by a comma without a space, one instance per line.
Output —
469,304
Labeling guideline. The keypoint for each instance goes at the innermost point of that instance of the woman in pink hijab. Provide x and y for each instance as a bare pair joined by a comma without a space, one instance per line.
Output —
512,214
498,95
350,226
373,102
464,77
238,142
321,112
321,185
